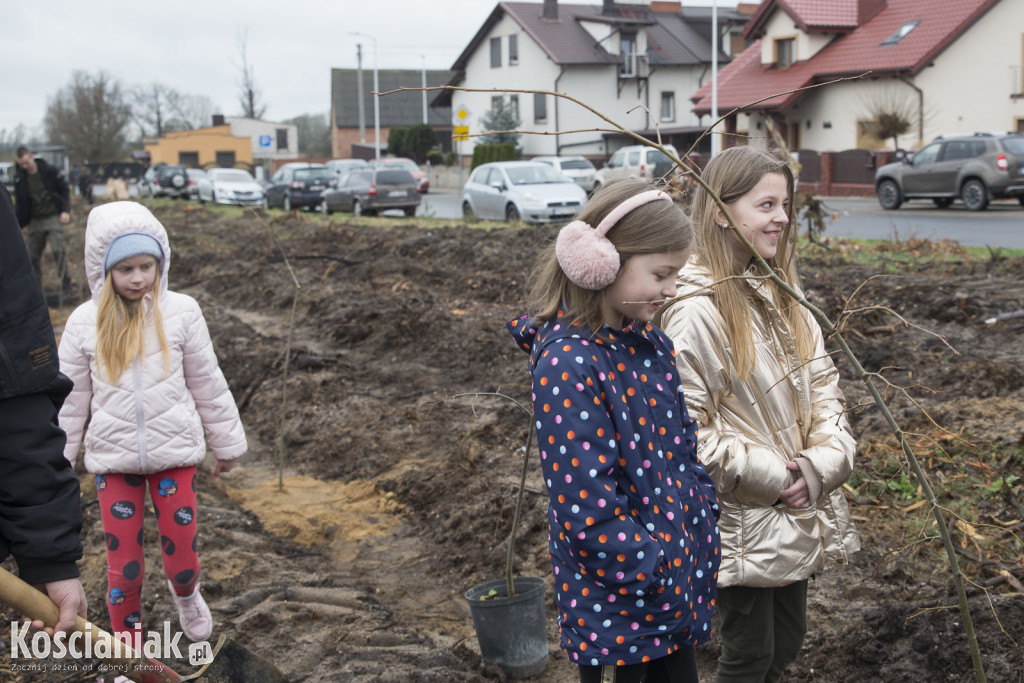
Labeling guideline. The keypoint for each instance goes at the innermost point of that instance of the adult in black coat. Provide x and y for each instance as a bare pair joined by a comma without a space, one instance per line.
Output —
40,502
43,207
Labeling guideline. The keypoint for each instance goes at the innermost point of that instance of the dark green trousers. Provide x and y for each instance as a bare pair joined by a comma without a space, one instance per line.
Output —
762,631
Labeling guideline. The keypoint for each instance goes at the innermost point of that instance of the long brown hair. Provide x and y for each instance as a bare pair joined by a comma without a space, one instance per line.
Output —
731,174
652,228
120,330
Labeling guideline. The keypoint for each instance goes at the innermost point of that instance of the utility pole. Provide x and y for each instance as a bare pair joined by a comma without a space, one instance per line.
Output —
716,141
359,91
424,91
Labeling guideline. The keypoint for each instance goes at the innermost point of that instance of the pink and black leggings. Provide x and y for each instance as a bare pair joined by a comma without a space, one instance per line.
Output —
122,499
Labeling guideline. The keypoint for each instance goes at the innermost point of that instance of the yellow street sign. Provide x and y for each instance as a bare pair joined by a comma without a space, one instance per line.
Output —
461,132
462,113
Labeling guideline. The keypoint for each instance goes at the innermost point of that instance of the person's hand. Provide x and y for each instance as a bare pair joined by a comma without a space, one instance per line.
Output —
796,496
222,466
69,597
65,217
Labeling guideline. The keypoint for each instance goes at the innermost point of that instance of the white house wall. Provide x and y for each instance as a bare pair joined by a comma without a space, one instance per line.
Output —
781,25
970,85
594,85
967,88
254,128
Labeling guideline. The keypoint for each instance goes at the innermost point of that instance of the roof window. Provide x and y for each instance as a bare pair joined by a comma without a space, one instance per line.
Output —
898,35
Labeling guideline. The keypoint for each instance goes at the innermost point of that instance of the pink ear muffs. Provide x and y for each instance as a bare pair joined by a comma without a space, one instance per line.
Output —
587,257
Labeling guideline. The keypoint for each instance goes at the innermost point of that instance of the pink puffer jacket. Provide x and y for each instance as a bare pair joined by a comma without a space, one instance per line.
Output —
151,419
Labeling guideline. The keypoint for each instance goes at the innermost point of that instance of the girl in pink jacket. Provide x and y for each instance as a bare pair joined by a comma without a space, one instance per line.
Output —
148,382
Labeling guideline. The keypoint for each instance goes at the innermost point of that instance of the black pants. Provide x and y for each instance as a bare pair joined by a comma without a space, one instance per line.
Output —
678,667
762,631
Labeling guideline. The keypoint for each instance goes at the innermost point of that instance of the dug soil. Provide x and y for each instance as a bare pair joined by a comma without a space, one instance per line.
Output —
378,386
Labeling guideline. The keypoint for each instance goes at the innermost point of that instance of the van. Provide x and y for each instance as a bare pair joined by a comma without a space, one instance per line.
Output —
635,161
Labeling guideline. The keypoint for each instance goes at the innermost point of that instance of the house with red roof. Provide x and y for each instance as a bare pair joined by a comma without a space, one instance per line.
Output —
636,62
820,73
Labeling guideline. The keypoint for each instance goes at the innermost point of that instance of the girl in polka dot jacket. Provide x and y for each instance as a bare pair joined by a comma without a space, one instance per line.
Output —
633,533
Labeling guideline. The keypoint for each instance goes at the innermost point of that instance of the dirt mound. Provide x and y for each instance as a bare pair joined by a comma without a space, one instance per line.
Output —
400,464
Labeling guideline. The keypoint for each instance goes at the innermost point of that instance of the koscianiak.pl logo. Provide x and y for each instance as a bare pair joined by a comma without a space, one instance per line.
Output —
164,644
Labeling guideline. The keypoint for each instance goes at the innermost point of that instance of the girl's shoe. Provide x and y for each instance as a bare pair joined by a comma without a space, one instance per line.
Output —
193,614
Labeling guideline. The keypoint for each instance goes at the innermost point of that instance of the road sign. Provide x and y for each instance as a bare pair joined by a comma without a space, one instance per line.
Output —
461,132
265,140
462,113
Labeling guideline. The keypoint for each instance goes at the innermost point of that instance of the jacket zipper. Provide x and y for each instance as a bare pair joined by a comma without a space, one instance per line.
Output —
140,415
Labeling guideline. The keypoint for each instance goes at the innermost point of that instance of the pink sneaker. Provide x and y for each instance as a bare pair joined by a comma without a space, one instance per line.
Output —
193,614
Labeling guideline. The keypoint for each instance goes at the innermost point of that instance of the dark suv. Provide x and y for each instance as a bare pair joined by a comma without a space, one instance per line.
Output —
972,167
165,180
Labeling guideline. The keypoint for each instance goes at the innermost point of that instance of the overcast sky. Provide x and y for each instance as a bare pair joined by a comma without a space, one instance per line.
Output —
193,46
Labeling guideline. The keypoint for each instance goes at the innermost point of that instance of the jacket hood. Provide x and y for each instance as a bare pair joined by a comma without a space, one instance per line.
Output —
533,338
106,223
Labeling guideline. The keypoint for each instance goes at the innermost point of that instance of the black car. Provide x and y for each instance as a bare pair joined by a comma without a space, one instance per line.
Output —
297,185
165,180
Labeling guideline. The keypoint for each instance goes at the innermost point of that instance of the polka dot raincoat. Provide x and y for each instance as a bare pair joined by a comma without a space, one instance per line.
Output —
633,532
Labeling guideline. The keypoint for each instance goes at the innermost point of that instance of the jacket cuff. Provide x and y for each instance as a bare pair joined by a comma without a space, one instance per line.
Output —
814,484
43,572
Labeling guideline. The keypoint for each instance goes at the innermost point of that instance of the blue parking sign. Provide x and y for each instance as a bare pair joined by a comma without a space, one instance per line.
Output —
265,140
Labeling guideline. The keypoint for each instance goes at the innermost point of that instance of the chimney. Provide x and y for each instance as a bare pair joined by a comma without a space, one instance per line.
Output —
550,10
218,119
673,6
867,9
609,7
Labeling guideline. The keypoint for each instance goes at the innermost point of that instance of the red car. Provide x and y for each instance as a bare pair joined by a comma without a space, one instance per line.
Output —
422,180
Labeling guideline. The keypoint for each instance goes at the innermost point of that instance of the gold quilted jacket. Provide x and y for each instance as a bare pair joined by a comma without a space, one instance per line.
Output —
787,410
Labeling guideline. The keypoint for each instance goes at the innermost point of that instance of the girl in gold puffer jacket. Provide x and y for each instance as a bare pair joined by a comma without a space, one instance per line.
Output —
772,430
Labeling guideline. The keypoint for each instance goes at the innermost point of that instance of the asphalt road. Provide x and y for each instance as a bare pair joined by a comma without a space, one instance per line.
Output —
1001,225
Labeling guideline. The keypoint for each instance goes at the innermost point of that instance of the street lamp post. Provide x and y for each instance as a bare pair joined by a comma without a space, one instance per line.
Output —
376,98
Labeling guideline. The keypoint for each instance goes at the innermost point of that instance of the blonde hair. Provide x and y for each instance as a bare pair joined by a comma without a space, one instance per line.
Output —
731,174
652,228
120,330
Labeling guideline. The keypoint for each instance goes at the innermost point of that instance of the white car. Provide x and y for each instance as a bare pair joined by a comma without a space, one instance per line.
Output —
578,168
635,161
521,190
230,186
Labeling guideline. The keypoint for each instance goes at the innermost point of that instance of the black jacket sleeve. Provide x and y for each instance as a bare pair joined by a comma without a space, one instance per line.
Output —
40,506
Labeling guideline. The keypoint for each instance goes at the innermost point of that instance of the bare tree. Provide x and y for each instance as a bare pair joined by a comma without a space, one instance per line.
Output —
11,140
891,113
314,135
90,115
194,111
250,95
151,108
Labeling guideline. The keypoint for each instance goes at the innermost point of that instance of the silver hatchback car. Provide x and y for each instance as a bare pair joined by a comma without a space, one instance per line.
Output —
521,190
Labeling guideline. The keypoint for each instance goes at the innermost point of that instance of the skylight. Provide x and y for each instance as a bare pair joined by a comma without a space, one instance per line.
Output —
901,32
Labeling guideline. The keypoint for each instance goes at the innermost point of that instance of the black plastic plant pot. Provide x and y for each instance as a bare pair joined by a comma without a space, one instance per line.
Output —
512,632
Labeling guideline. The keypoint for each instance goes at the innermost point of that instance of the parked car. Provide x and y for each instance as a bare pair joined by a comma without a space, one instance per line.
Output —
422,181
194,176
230,186
972,167
578,168
165,180
521,190
296,185
635,161
7,175
365,192
340,167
